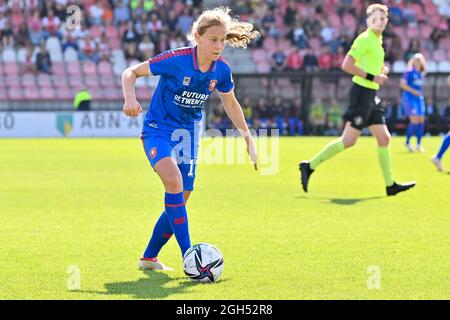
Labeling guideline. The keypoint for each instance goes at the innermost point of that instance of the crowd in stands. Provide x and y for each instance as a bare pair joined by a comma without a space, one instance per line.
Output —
307,35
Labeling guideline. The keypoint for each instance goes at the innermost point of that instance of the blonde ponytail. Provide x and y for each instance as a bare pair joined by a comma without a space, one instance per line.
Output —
239,34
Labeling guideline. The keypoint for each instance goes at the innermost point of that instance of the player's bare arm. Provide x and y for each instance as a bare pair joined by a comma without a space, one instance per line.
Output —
131,107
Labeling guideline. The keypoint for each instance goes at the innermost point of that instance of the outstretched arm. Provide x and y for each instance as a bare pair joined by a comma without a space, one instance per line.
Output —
234,112
406,87
131,106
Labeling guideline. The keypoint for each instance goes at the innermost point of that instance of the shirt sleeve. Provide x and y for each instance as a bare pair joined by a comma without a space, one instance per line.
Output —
162,64
358,49
226,83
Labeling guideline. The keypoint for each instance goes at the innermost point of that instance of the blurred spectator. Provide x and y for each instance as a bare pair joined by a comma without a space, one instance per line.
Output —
185,21
327,33
435,38
96,14
310,63
295,124
146,48
82,100
43,62
70,41
325,60
88,49
269,24
345,6
279,115
121,13
7,34
177,42
298,36
396,15
290,14
279,60
172,21
262,117
414,47
247,110
29,65
294,60
334,118
317,116
338,59
51,24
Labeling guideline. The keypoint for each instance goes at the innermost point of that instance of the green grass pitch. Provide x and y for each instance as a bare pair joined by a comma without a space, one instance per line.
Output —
92,204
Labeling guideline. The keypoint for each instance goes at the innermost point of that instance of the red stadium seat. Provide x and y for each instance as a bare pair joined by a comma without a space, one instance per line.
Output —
66,94
15,94
73,68
13,81
29,81
31,94
76,82
104,68
108,82
111,32
60,82
58,68
44,81
10,68
92,82
89,68
47,94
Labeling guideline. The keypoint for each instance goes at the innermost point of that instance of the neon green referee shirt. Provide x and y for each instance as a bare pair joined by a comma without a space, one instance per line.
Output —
368,52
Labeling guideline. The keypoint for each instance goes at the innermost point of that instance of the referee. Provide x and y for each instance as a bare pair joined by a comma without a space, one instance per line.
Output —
365,61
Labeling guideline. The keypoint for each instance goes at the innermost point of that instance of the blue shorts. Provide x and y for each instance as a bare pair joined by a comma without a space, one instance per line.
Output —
159,144
414,106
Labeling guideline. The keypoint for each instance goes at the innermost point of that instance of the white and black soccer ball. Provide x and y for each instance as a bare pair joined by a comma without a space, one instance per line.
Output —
203,262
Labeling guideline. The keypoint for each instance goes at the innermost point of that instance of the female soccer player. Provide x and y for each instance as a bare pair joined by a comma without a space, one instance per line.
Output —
437,159
413,100
171,128
365,61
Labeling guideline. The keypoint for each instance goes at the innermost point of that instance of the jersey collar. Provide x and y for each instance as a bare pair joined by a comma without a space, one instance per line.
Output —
212,68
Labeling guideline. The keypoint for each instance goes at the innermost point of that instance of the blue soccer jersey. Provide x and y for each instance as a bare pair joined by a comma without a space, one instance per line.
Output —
177,104
183,89
412,104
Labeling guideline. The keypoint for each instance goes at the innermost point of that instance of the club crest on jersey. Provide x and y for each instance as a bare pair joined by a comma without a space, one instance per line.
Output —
186,81
212,85
153,153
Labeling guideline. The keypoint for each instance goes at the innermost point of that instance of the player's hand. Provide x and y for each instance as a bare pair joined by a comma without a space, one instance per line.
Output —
381,79
251,149
385,70
132,108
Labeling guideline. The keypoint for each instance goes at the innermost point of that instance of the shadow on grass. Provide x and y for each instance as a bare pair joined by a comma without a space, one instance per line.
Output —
343,201
152,286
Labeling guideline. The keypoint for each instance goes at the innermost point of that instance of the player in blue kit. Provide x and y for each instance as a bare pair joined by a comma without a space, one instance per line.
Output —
413,100
171,128
437,159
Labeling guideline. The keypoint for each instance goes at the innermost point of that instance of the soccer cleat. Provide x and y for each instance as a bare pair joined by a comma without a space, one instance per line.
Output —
420,149
306,172
396,188
152,264
408,146
438,163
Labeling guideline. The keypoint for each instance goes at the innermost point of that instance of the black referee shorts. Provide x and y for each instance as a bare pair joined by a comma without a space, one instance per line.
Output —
364,109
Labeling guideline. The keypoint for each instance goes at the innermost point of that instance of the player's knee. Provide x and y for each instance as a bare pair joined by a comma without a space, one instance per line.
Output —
173,183
384,140
349,142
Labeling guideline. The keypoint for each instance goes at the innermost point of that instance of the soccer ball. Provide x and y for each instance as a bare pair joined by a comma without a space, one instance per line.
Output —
203,262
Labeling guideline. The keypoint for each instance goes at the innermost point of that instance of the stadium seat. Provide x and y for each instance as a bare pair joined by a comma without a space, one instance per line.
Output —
70,55
29,81
53,46
44,81
9,55
60,82
399,66
92,82
263,67
444,66
107,82
47,94
66,94
431,66
21,55
76,81
73,68
31,95
15,94
104,68
89,68
58,68
10,68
